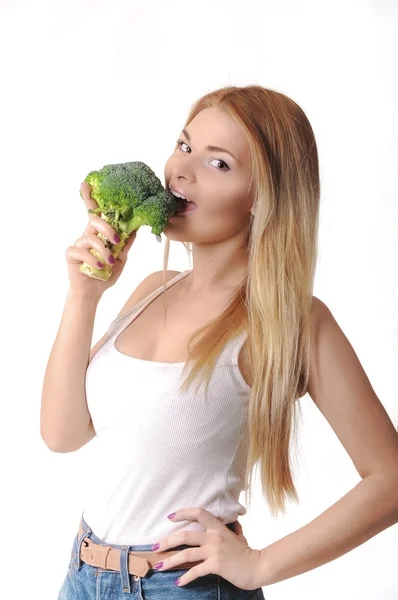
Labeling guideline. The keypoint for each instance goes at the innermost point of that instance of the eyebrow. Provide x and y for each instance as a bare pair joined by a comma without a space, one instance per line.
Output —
211,148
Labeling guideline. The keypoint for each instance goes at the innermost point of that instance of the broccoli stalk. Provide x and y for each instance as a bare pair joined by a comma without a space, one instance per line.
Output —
128,195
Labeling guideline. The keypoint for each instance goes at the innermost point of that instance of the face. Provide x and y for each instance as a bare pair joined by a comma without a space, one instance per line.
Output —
215,181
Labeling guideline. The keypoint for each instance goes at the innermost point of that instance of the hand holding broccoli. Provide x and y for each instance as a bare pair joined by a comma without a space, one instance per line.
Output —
119,199
82,251
128,195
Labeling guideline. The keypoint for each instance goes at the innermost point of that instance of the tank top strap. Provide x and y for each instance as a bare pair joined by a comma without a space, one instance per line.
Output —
123,320
229,355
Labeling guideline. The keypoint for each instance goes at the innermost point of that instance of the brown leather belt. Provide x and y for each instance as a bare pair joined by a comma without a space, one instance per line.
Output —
139,563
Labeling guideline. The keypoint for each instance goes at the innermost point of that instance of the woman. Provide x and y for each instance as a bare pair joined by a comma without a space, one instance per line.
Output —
244,318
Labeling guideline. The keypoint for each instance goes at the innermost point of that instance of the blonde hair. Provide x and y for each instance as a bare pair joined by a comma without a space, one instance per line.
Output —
273,304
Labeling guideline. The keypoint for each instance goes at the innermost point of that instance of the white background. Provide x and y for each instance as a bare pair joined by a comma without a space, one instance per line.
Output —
88,83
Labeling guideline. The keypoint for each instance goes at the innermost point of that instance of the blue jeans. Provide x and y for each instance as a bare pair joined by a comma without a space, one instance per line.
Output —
85,582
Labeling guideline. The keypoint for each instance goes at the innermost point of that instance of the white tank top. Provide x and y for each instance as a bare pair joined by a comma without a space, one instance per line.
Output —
159,450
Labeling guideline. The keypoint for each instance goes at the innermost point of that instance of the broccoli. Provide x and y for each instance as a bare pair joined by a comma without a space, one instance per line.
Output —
128,195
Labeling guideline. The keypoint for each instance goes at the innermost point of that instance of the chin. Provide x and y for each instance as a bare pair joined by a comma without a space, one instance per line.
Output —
175,234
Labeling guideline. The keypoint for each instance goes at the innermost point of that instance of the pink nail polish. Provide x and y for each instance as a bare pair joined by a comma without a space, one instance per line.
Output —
171,516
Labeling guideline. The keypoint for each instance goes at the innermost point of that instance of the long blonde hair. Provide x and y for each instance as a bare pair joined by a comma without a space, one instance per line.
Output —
273,304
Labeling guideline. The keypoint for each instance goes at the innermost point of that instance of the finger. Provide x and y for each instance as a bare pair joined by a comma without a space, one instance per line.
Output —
199,514
192,574
98,225
183,538
85,190
183,556
76,256
92,241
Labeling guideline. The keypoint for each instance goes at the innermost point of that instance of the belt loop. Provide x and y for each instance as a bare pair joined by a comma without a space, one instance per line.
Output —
124,569
85,533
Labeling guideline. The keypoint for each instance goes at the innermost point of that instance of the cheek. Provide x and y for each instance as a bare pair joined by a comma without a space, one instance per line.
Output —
229,206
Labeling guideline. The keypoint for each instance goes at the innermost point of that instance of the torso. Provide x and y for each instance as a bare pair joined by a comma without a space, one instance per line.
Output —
148,337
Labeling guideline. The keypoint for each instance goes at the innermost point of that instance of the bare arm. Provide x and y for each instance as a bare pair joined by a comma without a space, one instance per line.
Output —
64,417
341,390
65,421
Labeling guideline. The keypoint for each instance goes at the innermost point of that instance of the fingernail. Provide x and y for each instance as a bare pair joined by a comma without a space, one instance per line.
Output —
100,264
155,547
159,565
177,581
171,516
111,260
116,238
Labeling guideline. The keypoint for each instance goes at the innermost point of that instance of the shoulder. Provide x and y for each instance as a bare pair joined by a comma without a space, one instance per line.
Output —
157,276
321,319
332,355
318,307
148,285
320,314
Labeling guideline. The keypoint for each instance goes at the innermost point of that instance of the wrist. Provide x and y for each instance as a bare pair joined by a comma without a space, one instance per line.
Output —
263,574
83,298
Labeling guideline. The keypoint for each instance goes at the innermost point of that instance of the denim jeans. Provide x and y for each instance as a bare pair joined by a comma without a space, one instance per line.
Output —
85,582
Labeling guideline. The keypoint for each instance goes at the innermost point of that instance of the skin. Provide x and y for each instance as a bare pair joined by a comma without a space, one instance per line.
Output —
218,226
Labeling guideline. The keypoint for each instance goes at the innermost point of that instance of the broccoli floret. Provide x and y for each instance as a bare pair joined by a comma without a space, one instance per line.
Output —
128,195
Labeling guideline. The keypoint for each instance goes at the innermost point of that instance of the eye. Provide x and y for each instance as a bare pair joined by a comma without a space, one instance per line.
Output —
179,142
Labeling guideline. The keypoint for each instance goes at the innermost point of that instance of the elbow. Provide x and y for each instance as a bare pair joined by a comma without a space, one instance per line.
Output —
68,444
54,446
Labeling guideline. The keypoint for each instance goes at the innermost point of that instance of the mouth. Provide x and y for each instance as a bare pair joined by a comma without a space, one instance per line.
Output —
184,209
182,205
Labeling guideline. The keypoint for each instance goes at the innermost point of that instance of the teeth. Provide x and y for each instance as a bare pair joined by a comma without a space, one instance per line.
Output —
177,195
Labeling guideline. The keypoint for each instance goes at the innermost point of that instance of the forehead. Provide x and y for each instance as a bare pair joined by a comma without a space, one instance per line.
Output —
216,127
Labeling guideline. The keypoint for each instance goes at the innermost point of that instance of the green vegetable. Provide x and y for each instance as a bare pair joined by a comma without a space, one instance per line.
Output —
128,195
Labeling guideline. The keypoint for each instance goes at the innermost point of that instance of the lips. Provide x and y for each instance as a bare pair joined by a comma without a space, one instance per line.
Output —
178,190
182,206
